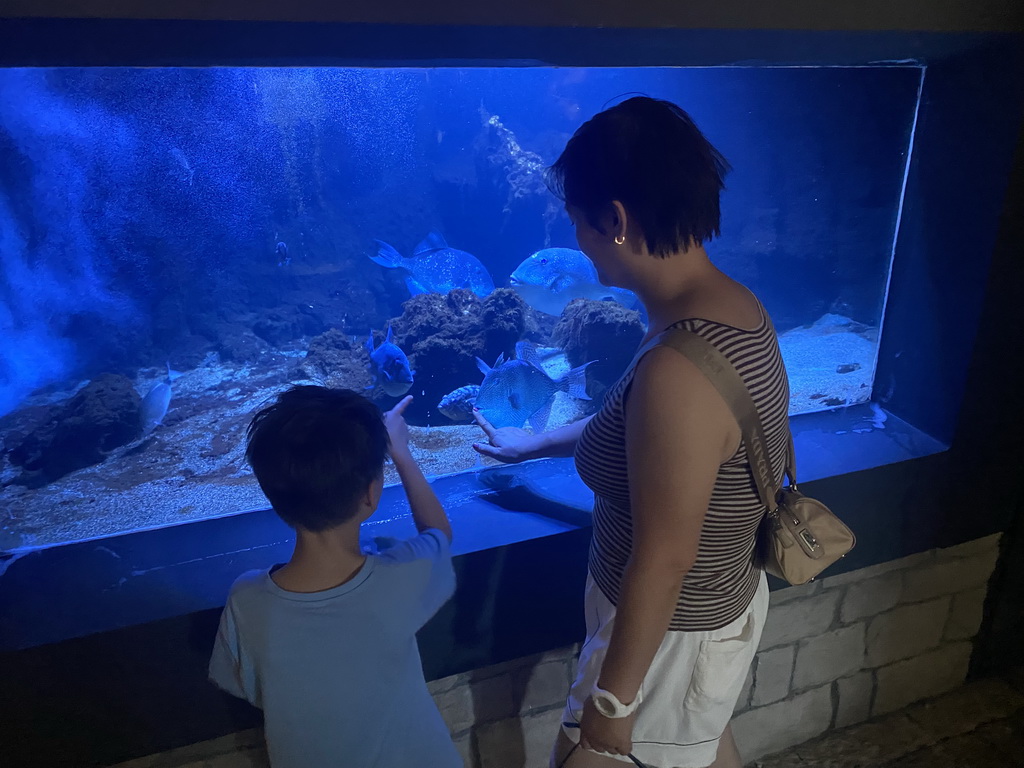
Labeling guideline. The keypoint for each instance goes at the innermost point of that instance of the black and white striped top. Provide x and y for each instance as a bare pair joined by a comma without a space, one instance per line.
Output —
723,579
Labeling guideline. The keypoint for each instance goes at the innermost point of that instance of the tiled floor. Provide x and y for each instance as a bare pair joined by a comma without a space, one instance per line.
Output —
980,725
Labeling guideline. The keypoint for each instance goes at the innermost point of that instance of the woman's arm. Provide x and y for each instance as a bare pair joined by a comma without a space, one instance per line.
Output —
678,433
512,445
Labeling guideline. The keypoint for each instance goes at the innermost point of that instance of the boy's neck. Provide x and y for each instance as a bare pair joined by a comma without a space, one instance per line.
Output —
322,560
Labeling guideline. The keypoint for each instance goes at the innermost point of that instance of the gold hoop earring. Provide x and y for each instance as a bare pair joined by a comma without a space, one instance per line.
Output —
620,239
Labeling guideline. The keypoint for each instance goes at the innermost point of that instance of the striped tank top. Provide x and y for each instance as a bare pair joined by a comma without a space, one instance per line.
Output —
723,579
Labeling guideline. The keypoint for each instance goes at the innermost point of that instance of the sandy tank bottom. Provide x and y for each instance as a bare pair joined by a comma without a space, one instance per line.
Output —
192,466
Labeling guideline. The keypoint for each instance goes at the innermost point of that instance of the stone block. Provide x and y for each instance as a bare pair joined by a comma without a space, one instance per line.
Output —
919,678
798,619
764,730
561,654
829,656
504,668
854,699
493,698
871,597
773,675
748,686
968,548
543,686
539,732
903,564
906,631
466,745
456,707
501,744
947,577
786,594
965,614
446,683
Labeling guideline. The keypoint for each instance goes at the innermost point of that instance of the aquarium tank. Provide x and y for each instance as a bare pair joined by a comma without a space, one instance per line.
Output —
177,246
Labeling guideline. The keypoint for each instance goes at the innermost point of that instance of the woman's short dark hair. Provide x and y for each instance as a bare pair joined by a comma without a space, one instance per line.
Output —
314,452
649,155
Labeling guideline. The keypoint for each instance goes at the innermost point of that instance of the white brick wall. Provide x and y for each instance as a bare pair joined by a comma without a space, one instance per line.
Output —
895,633
834,653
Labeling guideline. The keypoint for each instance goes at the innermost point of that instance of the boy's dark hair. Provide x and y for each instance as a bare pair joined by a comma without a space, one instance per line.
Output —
649,155
315,451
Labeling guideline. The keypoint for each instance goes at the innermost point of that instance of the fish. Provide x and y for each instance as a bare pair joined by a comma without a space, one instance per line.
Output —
457,405
157,401
517,391
435,267
283,259
549,279
154,406
389,366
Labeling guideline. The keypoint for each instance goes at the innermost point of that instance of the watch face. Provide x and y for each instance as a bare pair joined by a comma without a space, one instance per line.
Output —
602,705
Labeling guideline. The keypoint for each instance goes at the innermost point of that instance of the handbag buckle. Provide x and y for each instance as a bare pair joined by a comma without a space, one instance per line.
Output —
809,539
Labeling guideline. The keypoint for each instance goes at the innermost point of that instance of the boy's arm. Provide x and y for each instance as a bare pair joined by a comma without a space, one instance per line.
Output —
227,670
427,511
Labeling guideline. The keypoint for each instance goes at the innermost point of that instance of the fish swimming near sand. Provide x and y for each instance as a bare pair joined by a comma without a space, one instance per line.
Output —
389,366
549,279
435,267
156,402
517,391
457,405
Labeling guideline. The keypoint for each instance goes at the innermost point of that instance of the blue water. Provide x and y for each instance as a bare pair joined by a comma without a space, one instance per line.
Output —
141,212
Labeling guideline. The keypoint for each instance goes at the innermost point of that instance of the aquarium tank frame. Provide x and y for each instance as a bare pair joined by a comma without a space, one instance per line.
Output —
137,612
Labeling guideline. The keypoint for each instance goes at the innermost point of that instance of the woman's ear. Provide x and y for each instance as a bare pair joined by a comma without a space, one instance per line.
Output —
618,221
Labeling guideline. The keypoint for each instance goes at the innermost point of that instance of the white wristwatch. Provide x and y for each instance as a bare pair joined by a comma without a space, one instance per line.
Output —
608,704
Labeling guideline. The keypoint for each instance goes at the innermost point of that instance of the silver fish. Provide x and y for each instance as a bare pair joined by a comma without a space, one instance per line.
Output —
154,406
435,267
549,279
520,390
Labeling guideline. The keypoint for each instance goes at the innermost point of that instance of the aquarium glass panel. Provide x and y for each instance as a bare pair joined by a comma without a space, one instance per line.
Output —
179,245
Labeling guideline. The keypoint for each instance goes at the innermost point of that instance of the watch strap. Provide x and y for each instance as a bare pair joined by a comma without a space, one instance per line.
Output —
617,709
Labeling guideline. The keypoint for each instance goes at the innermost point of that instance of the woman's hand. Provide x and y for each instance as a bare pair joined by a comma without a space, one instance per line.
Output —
509,445
604,734
398,430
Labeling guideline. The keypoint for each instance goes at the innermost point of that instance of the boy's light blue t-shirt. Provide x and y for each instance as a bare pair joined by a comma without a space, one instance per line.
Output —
337,673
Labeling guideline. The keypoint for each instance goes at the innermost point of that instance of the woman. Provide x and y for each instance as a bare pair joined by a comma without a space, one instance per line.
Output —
674,601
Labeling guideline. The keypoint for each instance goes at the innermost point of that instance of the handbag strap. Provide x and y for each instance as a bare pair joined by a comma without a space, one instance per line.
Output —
727,380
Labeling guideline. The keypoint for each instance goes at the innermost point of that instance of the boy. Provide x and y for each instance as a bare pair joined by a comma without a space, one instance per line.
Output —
325,644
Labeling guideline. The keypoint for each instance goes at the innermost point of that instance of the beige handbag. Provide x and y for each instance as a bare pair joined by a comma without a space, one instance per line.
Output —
800,537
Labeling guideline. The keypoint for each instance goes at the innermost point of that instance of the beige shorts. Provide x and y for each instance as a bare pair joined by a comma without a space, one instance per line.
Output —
690,690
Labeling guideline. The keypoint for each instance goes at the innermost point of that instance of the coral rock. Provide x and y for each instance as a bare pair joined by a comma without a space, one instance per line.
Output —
600,331
102,416
241,347
443,334
333,360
